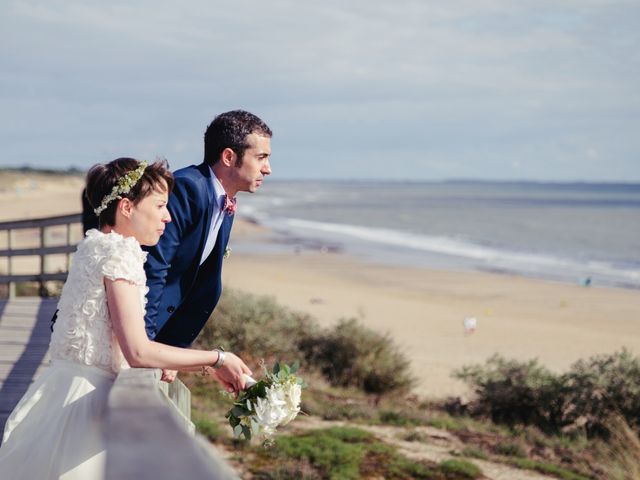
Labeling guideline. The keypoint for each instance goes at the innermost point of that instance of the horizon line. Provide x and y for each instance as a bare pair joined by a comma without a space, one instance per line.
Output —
77,171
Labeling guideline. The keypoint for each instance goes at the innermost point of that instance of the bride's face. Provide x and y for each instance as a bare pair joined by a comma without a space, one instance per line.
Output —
149,217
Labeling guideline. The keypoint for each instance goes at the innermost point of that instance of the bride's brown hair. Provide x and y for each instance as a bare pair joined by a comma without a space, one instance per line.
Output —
102,178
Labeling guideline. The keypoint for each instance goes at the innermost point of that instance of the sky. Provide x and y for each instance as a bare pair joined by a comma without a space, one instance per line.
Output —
542,90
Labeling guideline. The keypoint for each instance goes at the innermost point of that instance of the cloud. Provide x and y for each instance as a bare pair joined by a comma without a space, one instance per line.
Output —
448,83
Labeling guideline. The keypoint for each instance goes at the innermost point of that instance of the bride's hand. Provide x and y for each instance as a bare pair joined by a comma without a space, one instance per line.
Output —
232,373
168,375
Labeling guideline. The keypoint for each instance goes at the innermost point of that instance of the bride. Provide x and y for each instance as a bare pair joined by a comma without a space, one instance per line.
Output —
57,429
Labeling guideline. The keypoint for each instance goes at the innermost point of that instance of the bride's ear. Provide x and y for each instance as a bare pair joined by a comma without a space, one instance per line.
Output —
125,207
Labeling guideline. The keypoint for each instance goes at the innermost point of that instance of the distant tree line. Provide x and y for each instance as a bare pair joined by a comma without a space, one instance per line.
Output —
44,171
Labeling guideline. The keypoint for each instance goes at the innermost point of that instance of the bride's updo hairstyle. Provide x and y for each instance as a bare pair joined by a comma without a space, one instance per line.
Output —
102,178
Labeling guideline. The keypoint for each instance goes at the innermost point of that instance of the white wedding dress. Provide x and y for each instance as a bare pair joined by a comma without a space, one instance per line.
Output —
57,429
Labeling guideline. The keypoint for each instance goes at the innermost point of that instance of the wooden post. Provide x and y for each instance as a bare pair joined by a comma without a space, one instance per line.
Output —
42,288
68,243
12,285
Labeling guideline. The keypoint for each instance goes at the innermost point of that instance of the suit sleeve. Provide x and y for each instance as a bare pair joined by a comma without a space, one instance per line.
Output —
183,210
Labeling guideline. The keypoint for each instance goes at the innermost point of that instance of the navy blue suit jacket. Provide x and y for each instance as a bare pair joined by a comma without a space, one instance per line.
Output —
183,293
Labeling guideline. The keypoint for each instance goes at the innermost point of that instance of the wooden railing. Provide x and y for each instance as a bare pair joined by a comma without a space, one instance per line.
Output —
42,225
150,435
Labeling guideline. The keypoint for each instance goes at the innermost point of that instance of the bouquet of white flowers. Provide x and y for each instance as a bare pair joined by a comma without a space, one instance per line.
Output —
267,403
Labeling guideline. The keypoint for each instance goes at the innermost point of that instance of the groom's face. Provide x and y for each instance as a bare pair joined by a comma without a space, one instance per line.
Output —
249,174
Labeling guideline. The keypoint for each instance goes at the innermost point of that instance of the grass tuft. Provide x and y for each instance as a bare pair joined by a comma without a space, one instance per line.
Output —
456,468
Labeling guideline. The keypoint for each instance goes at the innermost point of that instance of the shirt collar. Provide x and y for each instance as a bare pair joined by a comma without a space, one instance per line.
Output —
218,190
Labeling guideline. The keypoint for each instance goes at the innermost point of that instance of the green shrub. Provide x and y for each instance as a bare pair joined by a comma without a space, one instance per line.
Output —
393,417
354,355
443,422
510,450
582,399
600,387
256,327
515,392
460,469
402,468
474,452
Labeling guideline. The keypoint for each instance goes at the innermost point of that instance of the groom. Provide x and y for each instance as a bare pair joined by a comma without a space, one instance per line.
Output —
184,268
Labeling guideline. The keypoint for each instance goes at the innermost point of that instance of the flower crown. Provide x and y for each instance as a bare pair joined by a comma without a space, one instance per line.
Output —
124,185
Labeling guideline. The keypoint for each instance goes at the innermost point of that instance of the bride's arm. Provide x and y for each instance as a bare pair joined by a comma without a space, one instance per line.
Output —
125,311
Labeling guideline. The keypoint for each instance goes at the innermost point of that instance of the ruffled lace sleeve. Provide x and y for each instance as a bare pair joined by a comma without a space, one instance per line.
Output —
83,332
120,258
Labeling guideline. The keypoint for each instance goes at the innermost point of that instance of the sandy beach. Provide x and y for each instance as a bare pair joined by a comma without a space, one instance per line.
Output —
421,309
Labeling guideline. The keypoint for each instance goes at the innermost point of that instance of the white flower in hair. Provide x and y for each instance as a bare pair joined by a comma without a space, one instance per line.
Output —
123,186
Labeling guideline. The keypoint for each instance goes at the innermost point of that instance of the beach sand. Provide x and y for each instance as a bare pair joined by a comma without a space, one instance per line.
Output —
421,309
36,195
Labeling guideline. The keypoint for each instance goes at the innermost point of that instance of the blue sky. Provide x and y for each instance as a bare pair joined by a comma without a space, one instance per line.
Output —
423,90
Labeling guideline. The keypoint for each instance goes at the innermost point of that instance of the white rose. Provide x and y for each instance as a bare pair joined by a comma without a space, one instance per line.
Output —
271,410
293,394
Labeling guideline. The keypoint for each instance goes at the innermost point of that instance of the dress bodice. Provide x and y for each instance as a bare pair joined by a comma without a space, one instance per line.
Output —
83,331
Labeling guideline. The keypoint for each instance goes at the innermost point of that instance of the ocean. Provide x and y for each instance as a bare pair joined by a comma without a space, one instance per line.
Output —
578,233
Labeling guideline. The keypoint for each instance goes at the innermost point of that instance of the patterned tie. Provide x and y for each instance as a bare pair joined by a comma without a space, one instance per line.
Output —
229,205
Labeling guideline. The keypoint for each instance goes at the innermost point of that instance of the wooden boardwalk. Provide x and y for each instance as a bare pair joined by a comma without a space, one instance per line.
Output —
24,343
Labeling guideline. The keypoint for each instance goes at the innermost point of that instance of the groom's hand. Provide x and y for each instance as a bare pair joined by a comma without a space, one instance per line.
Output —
231,374
168,375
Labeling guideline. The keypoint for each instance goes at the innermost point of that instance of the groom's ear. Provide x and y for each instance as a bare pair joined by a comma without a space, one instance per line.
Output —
228,157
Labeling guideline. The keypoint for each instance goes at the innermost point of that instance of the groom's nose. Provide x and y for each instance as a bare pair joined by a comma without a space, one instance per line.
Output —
266,168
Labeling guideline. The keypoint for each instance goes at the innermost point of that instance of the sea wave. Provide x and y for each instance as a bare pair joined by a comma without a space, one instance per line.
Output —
497,258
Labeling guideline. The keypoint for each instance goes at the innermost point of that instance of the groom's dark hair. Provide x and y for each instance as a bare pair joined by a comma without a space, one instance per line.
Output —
230,130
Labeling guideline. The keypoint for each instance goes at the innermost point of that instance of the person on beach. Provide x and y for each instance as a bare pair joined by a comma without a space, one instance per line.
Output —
184,268
57,429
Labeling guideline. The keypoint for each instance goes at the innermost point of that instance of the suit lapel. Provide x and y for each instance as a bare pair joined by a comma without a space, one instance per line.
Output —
209,198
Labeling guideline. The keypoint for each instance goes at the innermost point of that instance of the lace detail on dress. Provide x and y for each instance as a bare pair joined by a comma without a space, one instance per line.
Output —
83,331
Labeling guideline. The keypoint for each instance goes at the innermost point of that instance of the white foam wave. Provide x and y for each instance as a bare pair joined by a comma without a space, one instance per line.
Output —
498,258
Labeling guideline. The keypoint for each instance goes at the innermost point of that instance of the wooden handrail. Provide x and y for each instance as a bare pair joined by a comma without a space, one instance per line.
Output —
38,251
148,434
41,222
42,251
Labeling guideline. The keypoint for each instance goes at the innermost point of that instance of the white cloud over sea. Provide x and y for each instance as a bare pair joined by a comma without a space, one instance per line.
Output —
539,90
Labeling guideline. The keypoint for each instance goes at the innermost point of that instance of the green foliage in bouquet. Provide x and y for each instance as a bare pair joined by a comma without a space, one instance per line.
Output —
272,401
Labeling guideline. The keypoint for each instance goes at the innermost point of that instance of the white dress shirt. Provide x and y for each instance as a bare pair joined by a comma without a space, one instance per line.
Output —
216,220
